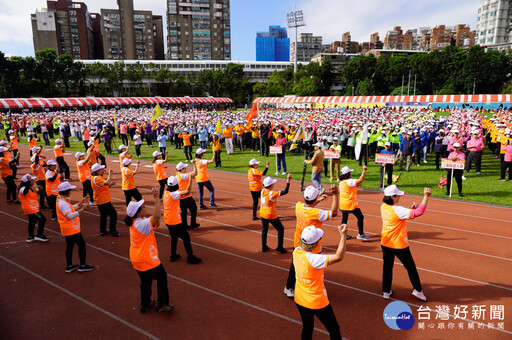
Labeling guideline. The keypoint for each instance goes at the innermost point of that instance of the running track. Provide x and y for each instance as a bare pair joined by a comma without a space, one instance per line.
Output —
462,251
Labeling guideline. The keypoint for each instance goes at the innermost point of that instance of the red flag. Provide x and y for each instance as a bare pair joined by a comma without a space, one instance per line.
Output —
253,113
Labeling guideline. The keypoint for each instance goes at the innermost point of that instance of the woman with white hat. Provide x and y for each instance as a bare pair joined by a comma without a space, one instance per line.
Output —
144,254
310,293
124,153
281,158
457,156
52,179
187,202
216,148
69,220
348,199
255,184
84,172
6,173
38,170
202,178
507,159
394,240
58,150
128,183
101,189
159,169
30,205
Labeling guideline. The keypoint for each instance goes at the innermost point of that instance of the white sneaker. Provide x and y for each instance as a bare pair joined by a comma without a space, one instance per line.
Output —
387,295
363,237
419,295
276,173
463,177
283,173
424,161
289,292
92,203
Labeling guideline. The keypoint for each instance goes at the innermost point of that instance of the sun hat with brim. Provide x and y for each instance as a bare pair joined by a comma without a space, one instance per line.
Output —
58,141
127,161
97,167
133,207
311,235
253,161
268,181
200,151
180,166
311,193
156,153
122,146
3,149
319,144
79,154
345,170
392,190
65,186
387,144
51,162
27,178
456,145
172,181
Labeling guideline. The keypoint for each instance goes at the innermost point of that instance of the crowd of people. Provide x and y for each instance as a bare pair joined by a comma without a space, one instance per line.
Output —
363,133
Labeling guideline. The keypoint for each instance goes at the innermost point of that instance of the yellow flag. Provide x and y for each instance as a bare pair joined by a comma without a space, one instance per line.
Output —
218,128
299,134
157,113
115,122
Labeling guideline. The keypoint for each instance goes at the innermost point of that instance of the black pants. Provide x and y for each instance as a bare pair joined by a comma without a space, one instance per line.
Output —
180,231
504,167
217,159
163,149
187,150
439,155
86,146
107,210
162,182
14,154
404,255
255,200
473,157
87,189
364,153
325,315
33,219
326,167
255,144
108,146
137,149
457,174
133,193
11,188
358,214
124,139
63,167
188,204
388,169
148,140
42,193
70,244
265,147
52,202
276,223
146,280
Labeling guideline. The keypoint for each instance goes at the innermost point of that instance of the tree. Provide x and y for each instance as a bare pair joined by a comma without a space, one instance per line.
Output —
115,76
365,88
134,74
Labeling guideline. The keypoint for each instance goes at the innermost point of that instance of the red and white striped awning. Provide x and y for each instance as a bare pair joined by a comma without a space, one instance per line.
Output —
464,98
29,103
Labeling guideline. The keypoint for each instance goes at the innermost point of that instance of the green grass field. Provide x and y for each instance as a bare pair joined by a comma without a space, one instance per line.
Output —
480,188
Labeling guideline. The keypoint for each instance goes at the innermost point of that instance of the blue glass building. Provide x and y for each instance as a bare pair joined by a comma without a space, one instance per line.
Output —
273,45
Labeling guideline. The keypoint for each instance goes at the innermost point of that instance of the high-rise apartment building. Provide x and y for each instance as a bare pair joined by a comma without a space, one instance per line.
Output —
131,34
273,45
494,22
65,26
398,40
198,30
307,47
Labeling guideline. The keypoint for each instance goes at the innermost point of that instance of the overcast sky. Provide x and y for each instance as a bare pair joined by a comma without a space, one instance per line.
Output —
328,18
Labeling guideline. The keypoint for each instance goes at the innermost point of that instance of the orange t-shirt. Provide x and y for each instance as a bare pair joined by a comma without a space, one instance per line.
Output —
101,191
84,171
14,143
29,202
38,171
159,169
4,167
228,132
52,188
268,204
202,168
310,290
183,180
32,143
306,217
127,177
57,150
172,211
255,183
394,231
68,226
348,195
186,138
143,248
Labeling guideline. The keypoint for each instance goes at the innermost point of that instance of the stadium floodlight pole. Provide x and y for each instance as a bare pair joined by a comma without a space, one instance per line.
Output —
295,20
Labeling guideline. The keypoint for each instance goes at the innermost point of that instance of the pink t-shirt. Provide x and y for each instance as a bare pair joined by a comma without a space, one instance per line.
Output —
459,155
475,145
508,153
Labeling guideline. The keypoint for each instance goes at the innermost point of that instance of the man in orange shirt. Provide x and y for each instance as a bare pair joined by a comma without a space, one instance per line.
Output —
84,172
255,184
228,138
52,178
348,199
128,183
186,143
58,150
216,148
38,170
159,170
6,172
30,205
101,188
268,212
202,178
187,202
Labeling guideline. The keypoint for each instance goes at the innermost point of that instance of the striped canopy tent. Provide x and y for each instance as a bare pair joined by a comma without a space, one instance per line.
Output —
37,103
478,98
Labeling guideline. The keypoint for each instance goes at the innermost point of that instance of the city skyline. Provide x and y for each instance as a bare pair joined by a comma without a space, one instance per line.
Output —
327,18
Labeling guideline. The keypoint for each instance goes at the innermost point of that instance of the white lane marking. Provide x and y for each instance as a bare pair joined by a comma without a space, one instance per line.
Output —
90,304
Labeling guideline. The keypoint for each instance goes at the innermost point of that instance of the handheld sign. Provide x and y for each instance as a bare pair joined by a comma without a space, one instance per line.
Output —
447,163
385,158
276,150
331,154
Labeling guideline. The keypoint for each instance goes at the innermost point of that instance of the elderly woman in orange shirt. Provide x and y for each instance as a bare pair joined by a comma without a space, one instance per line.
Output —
159,169
394,240
310,293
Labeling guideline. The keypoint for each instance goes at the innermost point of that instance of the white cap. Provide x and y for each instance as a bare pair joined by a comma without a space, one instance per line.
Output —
27,178
58,140
200,151
311,193
3,149
172,181
181,166
3,142
311,235
132,207
507,132
122,146
455,130
319,144
156,153
456,145
324,138
392,190
35,149
387,144
268,181
127,161
279,131
335,138
345,170
96,166
91,143
253,161
79,154
64,186
51,162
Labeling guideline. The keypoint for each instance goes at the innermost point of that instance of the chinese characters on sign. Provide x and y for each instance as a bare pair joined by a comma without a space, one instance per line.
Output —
461,317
